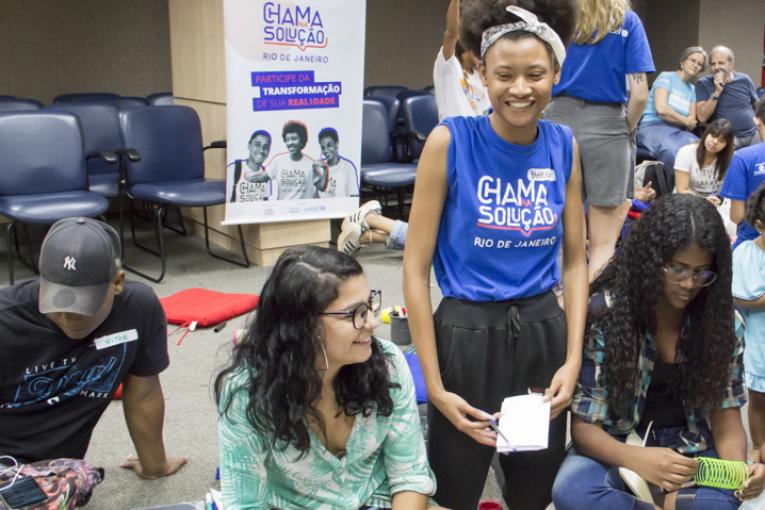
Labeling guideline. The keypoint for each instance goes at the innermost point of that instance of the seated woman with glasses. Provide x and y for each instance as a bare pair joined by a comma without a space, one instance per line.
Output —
661,348
315,411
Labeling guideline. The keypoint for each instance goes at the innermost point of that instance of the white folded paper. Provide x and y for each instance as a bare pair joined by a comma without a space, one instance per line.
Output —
524,423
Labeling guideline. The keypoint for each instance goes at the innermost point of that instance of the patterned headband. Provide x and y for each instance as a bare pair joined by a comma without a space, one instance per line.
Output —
529,23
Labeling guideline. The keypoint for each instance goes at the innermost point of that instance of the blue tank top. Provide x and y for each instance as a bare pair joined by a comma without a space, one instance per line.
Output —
501,229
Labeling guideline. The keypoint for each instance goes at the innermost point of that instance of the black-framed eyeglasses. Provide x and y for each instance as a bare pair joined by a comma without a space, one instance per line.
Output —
359,313
679,274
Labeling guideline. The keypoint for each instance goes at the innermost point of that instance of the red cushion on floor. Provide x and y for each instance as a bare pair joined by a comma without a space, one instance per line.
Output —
206,307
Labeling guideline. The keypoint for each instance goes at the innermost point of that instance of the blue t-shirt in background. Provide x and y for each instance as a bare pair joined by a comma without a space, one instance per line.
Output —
735,103
680,96
501,229
596,72
745,174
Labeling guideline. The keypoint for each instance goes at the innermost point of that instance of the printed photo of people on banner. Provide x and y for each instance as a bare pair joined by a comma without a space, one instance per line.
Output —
294,100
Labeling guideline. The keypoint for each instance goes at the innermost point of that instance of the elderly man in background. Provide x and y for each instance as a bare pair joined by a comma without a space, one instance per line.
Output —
727,94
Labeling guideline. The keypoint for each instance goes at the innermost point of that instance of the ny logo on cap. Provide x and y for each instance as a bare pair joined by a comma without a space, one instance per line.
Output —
70,263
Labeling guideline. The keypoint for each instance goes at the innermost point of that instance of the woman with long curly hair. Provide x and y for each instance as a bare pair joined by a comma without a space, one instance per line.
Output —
315,411
662,358
601,95
497,199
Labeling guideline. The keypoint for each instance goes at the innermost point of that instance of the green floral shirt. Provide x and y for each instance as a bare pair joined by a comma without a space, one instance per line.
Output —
385,455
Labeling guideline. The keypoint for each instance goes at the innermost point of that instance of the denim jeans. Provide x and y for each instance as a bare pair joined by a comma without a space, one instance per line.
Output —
584,483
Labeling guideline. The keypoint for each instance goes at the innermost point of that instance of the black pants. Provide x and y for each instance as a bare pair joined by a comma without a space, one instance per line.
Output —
486,352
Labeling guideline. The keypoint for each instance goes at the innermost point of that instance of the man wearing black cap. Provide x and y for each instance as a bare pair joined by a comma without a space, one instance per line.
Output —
68,339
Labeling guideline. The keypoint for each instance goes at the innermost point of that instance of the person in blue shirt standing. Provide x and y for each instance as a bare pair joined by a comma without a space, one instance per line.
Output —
745,174
610,49
670,114
496,198
727,94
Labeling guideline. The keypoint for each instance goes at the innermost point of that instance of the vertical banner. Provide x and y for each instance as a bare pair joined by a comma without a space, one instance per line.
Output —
294,81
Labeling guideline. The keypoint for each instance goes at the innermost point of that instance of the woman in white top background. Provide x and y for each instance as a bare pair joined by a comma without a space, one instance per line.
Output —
700,167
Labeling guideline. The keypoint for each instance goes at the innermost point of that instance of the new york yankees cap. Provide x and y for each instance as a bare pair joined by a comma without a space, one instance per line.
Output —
78,260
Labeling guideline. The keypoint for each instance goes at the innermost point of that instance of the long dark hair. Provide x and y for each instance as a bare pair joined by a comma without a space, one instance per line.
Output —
281,345
634,279
717,128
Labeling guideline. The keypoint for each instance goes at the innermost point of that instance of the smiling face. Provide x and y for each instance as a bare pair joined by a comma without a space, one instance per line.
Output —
679,293
346,345
259,147
329,150
519,77
692,65
293,143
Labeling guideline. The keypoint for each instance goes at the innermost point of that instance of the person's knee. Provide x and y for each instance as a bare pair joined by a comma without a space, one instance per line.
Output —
757,400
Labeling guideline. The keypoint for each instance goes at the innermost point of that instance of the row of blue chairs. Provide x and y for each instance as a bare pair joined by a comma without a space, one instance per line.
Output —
394,130
69,159
12,103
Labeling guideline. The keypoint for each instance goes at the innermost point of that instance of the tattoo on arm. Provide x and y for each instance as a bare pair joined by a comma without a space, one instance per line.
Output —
637,77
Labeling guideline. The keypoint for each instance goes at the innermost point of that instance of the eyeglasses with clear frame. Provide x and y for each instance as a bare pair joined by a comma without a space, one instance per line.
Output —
359,313
678,274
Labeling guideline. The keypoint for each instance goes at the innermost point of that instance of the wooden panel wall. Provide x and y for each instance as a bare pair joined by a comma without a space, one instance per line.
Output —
199,81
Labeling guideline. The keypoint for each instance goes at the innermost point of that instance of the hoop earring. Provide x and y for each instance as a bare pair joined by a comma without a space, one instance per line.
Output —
324,351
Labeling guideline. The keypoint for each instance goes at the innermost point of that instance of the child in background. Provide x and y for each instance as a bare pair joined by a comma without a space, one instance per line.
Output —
749,296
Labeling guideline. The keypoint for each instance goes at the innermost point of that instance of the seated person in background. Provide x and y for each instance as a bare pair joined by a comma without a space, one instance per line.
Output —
670,113
457,85
68,339
727,94
700,167
367,226
660,347
745,174
315,411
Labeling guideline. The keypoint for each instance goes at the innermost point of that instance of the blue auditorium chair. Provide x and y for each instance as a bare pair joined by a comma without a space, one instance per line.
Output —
170,171
42,173
378,172
84,96
420,115
101,132
17,104
161,99
384,90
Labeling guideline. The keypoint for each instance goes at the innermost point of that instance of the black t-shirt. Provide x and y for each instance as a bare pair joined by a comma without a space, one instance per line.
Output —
53,389
662,407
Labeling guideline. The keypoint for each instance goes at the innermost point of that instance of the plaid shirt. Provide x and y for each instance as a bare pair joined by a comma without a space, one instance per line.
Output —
591,397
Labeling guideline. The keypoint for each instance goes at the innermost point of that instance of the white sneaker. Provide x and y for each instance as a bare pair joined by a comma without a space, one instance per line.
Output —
358,217
349,240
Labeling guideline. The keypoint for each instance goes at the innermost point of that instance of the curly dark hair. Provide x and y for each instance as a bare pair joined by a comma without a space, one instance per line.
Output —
297,127
634,279
755,206
281,345
478,15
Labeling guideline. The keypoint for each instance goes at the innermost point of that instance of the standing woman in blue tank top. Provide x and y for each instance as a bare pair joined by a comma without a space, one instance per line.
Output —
601,95
496,198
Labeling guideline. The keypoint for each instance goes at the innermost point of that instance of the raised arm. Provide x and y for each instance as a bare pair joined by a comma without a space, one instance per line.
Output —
638,97
451,33
144,407
424,219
